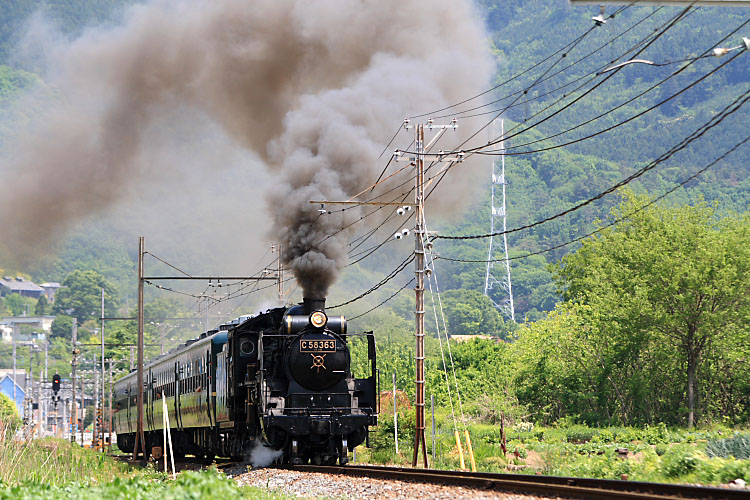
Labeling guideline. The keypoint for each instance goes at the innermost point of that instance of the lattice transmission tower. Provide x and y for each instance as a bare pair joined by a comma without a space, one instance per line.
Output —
501,277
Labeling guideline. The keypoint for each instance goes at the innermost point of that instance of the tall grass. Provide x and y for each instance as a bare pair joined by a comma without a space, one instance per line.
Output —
52,461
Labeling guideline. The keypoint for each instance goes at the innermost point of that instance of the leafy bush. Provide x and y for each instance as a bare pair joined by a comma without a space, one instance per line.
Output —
660,449
10,420
604,436
722,471
679,461
580,434
657,434
737,446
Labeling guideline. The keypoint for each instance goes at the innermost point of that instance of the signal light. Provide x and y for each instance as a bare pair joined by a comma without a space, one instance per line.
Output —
55,383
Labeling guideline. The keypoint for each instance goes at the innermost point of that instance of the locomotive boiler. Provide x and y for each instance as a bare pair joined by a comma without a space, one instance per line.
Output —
282,378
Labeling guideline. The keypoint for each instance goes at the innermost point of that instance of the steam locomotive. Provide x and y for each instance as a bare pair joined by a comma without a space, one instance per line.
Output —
281,378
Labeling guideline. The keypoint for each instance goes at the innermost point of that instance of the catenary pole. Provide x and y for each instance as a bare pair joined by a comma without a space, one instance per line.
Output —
73,364
101,403
139,436
110,404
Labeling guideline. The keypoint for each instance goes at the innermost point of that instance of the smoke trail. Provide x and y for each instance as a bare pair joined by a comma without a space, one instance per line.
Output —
314,88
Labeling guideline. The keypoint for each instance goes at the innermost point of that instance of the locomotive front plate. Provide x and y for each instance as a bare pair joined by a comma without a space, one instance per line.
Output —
318,345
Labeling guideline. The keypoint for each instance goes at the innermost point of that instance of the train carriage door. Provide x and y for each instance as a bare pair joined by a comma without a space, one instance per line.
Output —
149,401
177,389
128,394
210,388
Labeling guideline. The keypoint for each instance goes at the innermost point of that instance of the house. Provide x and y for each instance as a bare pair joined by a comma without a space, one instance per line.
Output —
42,325
50,289
6,387
6,332
20,286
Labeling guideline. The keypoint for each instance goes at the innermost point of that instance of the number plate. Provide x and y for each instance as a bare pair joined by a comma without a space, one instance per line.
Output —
317,346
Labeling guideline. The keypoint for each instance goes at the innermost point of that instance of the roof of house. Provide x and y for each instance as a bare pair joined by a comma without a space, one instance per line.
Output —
20,376
26,320
19,284
51,284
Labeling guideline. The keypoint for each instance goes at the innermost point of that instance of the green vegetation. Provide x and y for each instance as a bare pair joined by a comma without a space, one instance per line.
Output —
622,339
69,17
653,453
10,420
53,468
81,295
53,462
208,485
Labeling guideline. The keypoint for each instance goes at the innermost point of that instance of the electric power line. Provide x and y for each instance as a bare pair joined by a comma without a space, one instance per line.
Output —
713,122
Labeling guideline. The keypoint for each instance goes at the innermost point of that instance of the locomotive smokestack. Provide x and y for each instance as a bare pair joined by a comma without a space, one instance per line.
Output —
314,304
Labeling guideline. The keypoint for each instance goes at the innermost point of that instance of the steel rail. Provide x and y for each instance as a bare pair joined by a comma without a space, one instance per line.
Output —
545,485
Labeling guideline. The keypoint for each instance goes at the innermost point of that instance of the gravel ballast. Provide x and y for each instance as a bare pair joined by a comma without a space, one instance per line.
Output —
315,485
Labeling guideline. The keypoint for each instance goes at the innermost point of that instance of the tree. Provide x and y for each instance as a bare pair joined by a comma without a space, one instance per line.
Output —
469,312
81,296
18,305
62,327
41,306
675,276
9,415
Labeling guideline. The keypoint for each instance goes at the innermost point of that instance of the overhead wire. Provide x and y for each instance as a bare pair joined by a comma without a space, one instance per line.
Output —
713,122
382,282
459,149
568,47
433,276
619,124
383,302
614,222
560,71
646,43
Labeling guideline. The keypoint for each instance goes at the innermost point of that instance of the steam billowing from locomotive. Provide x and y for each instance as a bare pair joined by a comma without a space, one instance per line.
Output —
314,88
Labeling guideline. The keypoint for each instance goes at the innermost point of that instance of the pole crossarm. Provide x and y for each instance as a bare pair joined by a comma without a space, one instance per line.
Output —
117,345
133,318
375,203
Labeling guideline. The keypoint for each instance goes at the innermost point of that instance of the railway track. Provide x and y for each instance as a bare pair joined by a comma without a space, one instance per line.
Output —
541,485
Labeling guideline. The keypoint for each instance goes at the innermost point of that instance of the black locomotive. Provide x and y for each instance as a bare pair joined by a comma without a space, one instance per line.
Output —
282,378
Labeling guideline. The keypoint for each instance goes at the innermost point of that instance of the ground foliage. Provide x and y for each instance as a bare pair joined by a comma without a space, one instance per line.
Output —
592,358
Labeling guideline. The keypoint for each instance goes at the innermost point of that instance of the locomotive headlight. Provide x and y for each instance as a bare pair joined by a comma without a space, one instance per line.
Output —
318,319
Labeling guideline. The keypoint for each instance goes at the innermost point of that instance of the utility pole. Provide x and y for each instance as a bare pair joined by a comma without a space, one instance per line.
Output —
73,364
83,407
30,387
94,429
46,399
280,276
140,438
39,405
419,438
110,404
419,250
101,404
498,179
15,381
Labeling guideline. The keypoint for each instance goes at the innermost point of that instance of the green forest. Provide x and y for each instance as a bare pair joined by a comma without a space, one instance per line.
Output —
631,311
